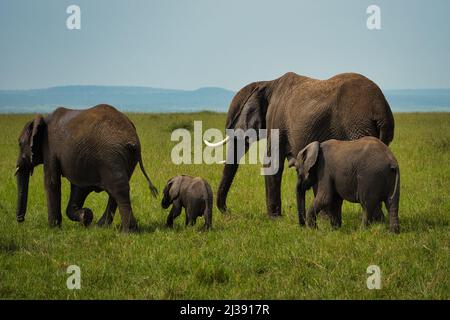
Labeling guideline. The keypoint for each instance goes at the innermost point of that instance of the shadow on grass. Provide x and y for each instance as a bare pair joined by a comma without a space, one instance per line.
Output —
177,227
8,246
152,227
417,223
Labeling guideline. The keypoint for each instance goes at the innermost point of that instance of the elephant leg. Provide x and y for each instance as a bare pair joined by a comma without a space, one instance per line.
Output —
121,192
189,212
193,219
53,194
372,211
365,218
392,206
311,217
335,211
108,216
174,212
368,212
325,212
273,191
207,215
75,210
311,214
377,215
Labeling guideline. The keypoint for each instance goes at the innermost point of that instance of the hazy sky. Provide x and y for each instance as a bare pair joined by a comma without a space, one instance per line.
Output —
227,43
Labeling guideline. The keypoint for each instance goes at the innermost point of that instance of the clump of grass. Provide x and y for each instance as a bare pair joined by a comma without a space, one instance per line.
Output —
212,274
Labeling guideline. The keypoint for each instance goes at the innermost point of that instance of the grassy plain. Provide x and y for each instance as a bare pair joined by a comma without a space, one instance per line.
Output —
246,255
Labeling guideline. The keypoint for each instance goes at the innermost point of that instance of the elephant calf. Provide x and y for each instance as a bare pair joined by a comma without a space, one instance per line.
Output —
361,171
194,194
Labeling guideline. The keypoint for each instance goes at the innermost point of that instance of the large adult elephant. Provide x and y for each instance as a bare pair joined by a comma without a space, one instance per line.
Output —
96,149
345,107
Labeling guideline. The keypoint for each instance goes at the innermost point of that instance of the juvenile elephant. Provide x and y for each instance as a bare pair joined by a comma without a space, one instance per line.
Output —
362,171
96,149
194,194
346,107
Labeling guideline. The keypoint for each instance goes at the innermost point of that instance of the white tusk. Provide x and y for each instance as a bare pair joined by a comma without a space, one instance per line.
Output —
17,170
217,144
222,161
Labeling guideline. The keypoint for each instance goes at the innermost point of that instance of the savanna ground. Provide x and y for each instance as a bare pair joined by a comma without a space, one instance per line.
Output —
246,255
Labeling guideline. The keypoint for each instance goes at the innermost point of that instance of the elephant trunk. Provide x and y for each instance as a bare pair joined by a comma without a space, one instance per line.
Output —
23,179
236,149
227,179
300,192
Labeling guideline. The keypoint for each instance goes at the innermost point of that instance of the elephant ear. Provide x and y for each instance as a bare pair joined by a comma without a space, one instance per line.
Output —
174,187
308,156
251,107
37,136
253,111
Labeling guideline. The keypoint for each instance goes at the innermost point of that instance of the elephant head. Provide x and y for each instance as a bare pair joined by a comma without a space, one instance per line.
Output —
305,164
247,111
171,191
30,155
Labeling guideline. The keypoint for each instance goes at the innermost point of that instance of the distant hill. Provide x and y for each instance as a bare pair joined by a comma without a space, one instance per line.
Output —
145,99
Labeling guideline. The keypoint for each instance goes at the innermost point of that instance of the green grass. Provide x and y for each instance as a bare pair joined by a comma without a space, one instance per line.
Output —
246,255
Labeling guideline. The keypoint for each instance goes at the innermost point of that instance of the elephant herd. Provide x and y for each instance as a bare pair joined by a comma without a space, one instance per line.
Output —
335,133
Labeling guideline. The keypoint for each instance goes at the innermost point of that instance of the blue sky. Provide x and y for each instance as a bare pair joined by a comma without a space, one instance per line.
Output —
226,43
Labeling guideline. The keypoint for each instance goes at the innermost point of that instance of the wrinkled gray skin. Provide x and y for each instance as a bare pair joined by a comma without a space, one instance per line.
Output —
96,149
346,107
362,171
194,194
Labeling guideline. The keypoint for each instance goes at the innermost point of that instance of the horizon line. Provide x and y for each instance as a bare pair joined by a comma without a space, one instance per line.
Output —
176,89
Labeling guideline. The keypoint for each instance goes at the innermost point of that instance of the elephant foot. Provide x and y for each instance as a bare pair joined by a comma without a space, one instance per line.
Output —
335,223
335,226
301,220
104,222
395,228
324,215
223,209
378,218
275,215
130,229
311,223
54,223
169,225
86,216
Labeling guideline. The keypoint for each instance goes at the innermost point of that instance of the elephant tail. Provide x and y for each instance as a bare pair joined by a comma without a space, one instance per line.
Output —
397,181
386,124
153,189
207,214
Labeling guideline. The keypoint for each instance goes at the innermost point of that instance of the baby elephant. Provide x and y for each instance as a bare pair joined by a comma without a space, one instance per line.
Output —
361,171
194,194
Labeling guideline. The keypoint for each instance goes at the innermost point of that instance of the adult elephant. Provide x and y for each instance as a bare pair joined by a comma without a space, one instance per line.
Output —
96,149
345,107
